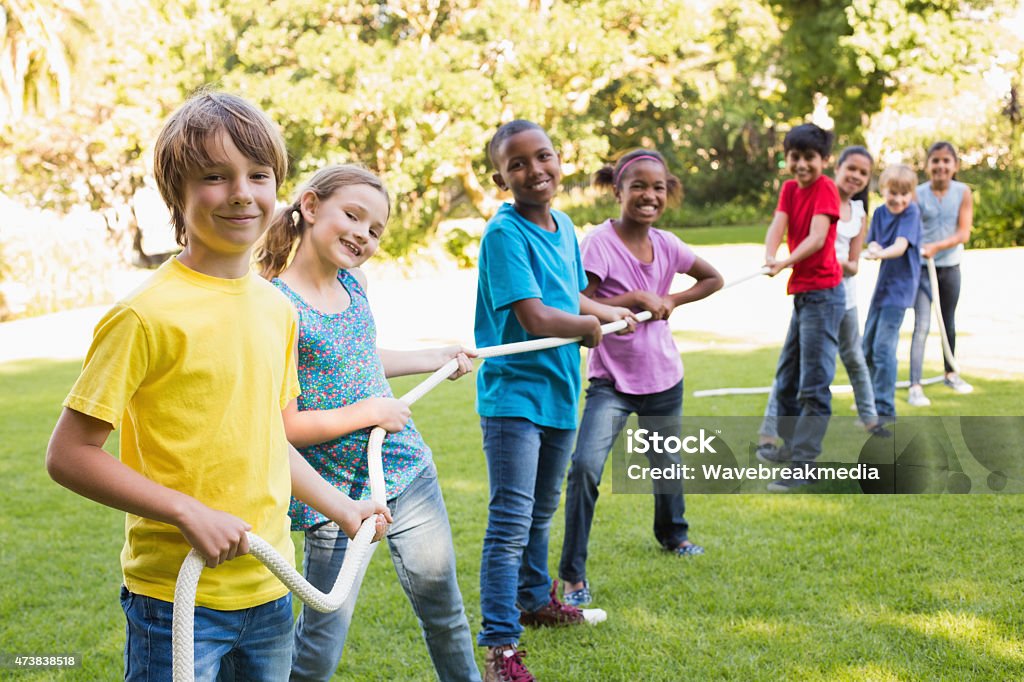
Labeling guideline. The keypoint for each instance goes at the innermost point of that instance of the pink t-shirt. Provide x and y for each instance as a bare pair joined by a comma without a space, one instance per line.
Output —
646,361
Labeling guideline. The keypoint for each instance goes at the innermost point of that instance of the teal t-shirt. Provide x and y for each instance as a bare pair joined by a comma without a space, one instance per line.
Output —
520,260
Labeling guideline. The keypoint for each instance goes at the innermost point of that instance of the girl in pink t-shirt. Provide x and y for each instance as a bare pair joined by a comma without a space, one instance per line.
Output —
631,263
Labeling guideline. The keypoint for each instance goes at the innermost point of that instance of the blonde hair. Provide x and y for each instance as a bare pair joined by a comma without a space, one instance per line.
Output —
274,250
181,146
899,178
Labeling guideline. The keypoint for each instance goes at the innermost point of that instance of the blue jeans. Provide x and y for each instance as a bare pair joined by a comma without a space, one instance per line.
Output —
604,416
422,551
525,465
248,644
881,334
852,355
807,365
949,295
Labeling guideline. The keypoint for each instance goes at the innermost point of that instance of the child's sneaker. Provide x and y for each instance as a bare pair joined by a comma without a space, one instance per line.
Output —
505,664
957,384
799,476
557,614
770,453
687,549
579,598
917,398
879,431
553,614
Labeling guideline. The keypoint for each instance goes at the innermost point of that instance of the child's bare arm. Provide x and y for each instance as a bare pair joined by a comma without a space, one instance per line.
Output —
773,238
398,363
811,244
709,280
638,298
542,320
309,427
894,250
852,263
76,459
608,313
311,488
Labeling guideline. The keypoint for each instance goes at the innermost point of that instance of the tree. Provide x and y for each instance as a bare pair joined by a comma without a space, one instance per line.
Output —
415,88
35,60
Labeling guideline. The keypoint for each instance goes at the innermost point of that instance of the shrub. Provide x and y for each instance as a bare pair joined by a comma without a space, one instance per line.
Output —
585,208
999,211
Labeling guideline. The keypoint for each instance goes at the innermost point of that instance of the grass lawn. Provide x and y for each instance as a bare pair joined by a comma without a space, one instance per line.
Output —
731,234
793,587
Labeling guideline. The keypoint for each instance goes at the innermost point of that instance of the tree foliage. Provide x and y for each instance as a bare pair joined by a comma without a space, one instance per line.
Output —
414,88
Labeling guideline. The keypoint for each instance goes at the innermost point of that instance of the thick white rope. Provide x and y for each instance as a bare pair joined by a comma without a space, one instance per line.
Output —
183,625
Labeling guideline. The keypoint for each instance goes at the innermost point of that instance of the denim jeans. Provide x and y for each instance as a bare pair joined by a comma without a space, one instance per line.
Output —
248,644
852,355
881,334
604,416
420,540
526,463
807,365
949,295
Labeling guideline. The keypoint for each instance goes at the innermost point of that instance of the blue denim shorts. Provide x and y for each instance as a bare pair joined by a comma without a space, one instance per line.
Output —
248,644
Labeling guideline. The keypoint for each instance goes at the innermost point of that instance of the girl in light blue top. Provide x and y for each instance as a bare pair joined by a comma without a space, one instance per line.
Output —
947,211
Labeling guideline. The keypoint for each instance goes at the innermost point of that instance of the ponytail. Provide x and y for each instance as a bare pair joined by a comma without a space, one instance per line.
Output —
275,248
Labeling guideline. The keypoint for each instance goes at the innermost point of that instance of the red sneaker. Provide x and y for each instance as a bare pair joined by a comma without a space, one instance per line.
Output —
553,614
501,666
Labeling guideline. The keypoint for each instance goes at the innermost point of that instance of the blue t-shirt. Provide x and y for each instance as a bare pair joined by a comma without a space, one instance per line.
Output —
897,277
521,260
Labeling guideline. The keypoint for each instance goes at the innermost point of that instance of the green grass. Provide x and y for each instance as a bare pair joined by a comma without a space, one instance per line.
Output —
712,236
793,587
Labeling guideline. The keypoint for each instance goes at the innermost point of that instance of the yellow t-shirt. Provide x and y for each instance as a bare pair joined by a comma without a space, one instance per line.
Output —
195,371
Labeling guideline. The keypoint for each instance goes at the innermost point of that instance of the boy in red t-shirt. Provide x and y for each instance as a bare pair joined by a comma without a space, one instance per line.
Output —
806,214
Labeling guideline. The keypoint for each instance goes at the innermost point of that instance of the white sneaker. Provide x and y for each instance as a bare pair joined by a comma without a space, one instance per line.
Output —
957,384
917,398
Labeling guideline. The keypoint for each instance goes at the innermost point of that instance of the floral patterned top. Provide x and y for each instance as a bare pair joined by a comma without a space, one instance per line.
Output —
339,366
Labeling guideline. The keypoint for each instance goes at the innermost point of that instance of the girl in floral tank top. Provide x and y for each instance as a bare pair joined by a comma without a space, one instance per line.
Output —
338,220
339,366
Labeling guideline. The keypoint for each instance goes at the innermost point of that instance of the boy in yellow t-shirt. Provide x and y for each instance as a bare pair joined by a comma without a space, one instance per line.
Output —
194,367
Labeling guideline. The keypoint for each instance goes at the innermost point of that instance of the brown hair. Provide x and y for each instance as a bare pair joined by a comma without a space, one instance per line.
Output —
274,250
900,178
611,176
942,145
181,146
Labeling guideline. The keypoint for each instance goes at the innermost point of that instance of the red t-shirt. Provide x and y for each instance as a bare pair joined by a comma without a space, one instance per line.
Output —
820,270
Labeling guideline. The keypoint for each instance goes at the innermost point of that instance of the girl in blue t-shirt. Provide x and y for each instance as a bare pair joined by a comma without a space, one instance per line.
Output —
338,219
